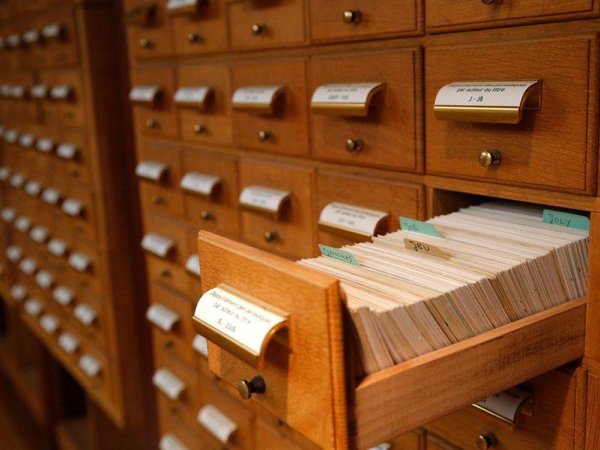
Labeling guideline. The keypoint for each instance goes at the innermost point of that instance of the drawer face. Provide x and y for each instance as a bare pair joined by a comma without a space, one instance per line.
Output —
74,162
287,125
23,108
392,197
158,119
475,14
61,50
389,131
64,111
163,195
218,212
294,236
266,24
171,424
201,32
151,38
213,123
533,152
83,223
274,436
184,405
354,19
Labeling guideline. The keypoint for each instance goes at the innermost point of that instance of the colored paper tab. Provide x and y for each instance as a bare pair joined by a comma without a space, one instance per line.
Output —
565,219
419,227
339,254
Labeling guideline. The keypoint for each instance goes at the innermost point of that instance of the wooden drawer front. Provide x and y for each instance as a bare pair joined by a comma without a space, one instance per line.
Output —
465,14
57,49
201,32
151,37
96,372
84,268
74,159
64,111
353,19
171,328
81,219
158,119
551,424
293,232
391,197
277,436
15,106
217,212
179,395
86,308
287,125
160,195
171,426
194,290
269,24
390,133
533,152
212,123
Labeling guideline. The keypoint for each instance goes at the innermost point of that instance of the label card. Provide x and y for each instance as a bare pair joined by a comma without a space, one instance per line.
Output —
85,314
157,244
63,295
192,265
192,95
33,188
339,254
419,227
33,307
199,183
151,170
31,36
200,344
66,150
80,261
486,94
144,94
39,91
217,423
425,248
4,173
44,279
27,140
263,199
260,98
44,145
28,266
68,343
350,99
14,253
61,92
49,323
39,234
52,31
51,196
168,383
355,219
18,292
57,247
10,136
565,219
8,214
162,317
17,180
90,365
23,224
505,405
72,207
170,442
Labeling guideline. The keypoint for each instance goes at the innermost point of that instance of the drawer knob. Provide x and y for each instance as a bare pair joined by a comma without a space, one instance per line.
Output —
158,200
200,129
351,16
165,273
151,123
491,2
207,215
486,441
258,29
354,145
270,236
145,43
264,135
490,158
193,37
256,385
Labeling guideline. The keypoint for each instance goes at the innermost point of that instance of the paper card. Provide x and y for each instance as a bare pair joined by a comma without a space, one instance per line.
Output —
63,295
144,94
382,446
33,307
8,214
51,196
72,207
484,94
80,261
44,279
358,220
39,234
27,140
17,92
4,173
192,265
157,244
68,343
199,183
11,136
33,188
90,365
85,314
505,405
57,247
14,253
49,323
67,150
192,95
170,442
200,344
217,423
17,180
168,383
18,292
339,254
14,40
424,248
31,36
162,317
28,265
263,198
565,219
419,227
256,97
61,92
52,31
45,145
39,91
23,224
151,170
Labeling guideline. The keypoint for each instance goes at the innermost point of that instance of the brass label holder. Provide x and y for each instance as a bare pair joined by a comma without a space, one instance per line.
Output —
260,99
266,201
351,221
506,406
345,99
193,96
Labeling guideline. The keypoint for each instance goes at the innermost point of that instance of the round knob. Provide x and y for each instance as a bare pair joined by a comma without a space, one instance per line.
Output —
158,200
206,215
354,145
486,441
200,129
145,43
270,236
264,135
256,385
491,2
490,158
165,273
258,29
193,37
151,123
351,16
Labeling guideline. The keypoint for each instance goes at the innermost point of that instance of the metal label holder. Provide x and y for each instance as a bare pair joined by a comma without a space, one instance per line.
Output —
345,99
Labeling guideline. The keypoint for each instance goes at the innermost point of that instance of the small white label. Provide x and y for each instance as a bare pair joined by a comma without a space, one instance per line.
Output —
255,96
199,183
4,173
144,94
51,196
14,40
52,31
168,383
27,140
72,207
33,307
90,365
170,442
17,180
49,323
506,404
157,244
31,37
44,279
194,95
483,94
23,224
17,92
356,219
162,317
28,265
200,344
11,136
85,314
263,198
33,188
39,91
151,170
18,292
382,446
9,214
217,423
57,247
192,265
61,92
80,261
343,93
14,253
68,343
66,150
39,234
63,295
45,145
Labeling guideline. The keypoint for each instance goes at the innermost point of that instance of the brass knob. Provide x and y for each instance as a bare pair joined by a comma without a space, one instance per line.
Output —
200,129
264,135
491,2
145,43
158,200
165,273
270,236
256,385
490,158
354,145
486,441
151,123
193,37
258,29
207,215
351,16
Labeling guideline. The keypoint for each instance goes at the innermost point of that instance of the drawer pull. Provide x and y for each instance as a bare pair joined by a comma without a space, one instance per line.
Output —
151,170
162,317
178,7
486,441
149,95
90,365
264,135
345,99
165,273
256,385
158,244
141,15
67,150
271,236
193,96
18,292
490,158
61,92
217,423
158,200
258,29
207,215
200,129
152,124
192,265
33,307
200,184
39,91
168,383
354,145
170,442
260,99
11,136
53,31
264,200
355,222
351,16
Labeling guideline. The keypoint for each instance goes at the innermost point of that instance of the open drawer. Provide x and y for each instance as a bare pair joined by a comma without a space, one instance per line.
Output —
307,367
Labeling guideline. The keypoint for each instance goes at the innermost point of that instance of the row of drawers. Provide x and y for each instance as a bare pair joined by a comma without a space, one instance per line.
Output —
12,9
393,133
163,28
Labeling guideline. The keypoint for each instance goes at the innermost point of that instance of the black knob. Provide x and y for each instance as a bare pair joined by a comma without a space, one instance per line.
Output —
256,385
486,441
